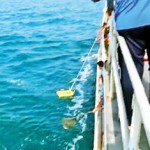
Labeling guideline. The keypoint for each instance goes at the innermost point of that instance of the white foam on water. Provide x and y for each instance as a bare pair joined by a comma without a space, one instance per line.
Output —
80,99
72,146
89,58
18,82
78,104
42,142
82,123
85,73
87,68
79,88
3,147
26,139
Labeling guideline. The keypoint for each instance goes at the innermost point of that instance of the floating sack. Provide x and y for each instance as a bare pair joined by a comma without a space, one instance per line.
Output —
69,122
65,93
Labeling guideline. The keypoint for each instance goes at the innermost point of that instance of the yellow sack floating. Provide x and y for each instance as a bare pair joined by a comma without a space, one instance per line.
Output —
65,93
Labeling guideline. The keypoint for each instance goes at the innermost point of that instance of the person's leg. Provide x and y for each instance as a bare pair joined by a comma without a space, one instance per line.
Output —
136,45
126,86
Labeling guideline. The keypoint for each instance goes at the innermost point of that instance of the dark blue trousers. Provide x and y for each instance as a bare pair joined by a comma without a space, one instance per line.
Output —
137,39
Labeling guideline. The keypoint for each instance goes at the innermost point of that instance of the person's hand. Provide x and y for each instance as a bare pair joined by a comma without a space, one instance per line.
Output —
95,110
109,12
98,107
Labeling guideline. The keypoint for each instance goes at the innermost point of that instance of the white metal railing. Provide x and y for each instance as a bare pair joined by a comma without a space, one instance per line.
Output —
121,105
141,99
141,108
99,138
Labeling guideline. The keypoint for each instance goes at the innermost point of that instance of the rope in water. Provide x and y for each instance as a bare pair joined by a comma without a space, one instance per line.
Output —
96,39
75,80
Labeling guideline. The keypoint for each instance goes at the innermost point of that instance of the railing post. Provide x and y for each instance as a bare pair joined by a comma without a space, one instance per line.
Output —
112,86
121,106
135,127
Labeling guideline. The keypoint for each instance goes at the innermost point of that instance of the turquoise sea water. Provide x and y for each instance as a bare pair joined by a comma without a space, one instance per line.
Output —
43,44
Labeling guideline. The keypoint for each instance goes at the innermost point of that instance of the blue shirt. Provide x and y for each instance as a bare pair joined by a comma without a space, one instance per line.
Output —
132,13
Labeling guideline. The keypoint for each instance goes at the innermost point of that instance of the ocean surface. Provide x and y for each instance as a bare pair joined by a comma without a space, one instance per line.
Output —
43,44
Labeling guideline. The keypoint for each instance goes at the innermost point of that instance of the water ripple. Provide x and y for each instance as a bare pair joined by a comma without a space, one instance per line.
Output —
43,45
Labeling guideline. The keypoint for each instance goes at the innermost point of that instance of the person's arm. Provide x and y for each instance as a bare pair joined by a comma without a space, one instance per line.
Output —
108,11
110,7
100,80
98,107
110,4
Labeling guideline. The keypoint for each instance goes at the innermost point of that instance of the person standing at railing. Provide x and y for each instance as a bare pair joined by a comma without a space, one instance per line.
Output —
133,23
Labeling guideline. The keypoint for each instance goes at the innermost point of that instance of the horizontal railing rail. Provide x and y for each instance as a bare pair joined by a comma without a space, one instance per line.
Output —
121,105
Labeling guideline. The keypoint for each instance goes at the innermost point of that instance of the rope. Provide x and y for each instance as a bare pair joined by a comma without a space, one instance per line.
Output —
83,64
98,37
